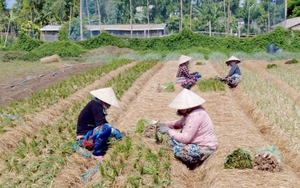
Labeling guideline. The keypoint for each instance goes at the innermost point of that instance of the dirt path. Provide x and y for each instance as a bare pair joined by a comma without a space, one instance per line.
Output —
38,81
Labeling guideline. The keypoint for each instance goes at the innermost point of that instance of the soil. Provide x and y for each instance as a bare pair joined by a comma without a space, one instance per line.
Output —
23,85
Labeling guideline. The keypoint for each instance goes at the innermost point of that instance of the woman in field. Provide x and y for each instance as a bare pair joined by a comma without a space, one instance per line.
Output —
196,141
93,131
183,77
234,76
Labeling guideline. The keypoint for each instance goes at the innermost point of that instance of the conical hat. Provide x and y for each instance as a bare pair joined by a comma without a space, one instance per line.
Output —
184,59
106,95
186,99
233,58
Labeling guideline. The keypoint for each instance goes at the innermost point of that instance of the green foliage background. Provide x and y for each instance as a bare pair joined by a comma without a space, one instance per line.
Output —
184,42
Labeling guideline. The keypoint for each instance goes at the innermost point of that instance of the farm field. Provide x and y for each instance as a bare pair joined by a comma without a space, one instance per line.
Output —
263,111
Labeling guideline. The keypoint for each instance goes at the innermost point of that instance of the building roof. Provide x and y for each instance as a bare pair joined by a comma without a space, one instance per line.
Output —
123,27
289,23
51,28
127,27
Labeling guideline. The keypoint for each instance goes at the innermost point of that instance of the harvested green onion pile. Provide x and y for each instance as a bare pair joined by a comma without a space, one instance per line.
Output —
239,159
270,66
168,86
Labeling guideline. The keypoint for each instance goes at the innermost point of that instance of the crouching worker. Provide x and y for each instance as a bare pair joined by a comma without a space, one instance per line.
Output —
234,76
196,141
96,140
92,125
183,77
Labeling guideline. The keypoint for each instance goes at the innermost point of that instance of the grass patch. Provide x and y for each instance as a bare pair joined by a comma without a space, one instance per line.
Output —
211,84
17,68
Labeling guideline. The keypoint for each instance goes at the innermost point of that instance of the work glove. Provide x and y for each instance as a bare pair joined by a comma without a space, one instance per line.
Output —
162,128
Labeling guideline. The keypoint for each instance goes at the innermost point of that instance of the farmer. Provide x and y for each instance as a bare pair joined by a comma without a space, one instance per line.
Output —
183,77
234,76
92,124
196,141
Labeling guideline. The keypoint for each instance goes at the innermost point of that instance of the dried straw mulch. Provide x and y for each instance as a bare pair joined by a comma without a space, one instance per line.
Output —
234,128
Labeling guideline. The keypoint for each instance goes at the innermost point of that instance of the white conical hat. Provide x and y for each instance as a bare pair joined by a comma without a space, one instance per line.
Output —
106,95
186,99
183,59
233,58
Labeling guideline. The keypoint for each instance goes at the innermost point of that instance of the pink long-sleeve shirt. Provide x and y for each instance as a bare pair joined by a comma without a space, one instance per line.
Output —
196,128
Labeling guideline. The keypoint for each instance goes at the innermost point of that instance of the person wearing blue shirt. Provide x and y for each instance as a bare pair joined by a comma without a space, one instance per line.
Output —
234,76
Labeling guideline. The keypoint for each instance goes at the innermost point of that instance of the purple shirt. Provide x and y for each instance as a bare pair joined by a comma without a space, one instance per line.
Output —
183,71
196,128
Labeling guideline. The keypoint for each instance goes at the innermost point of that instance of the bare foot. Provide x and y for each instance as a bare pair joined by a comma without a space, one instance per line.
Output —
98,158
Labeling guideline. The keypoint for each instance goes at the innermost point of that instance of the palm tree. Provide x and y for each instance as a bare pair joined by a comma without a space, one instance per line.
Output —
209,12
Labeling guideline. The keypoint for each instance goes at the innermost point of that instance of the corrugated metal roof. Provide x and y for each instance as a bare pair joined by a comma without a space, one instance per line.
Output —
51,28
289,23
127,27
123,27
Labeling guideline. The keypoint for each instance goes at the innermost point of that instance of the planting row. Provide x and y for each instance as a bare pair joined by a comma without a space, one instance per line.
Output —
50,96
33,159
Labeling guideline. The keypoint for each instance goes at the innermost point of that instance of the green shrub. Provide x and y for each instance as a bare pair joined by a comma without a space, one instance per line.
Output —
199,63
61,48
13,55
25,43
104,39
185,42
63,32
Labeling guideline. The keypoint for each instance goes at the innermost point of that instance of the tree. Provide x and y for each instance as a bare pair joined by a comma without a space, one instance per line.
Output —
208,13
293,8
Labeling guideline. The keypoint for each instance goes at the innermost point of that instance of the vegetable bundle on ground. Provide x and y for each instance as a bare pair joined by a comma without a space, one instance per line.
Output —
293,61
149,129
143,124
273,65
168,86
268,160
211,84
240,159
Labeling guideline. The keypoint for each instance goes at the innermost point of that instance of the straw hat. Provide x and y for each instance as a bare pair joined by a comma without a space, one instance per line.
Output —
186,99
183,59
106,95
233,58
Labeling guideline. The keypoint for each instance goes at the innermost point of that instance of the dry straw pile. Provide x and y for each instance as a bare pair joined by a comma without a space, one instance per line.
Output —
51,59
